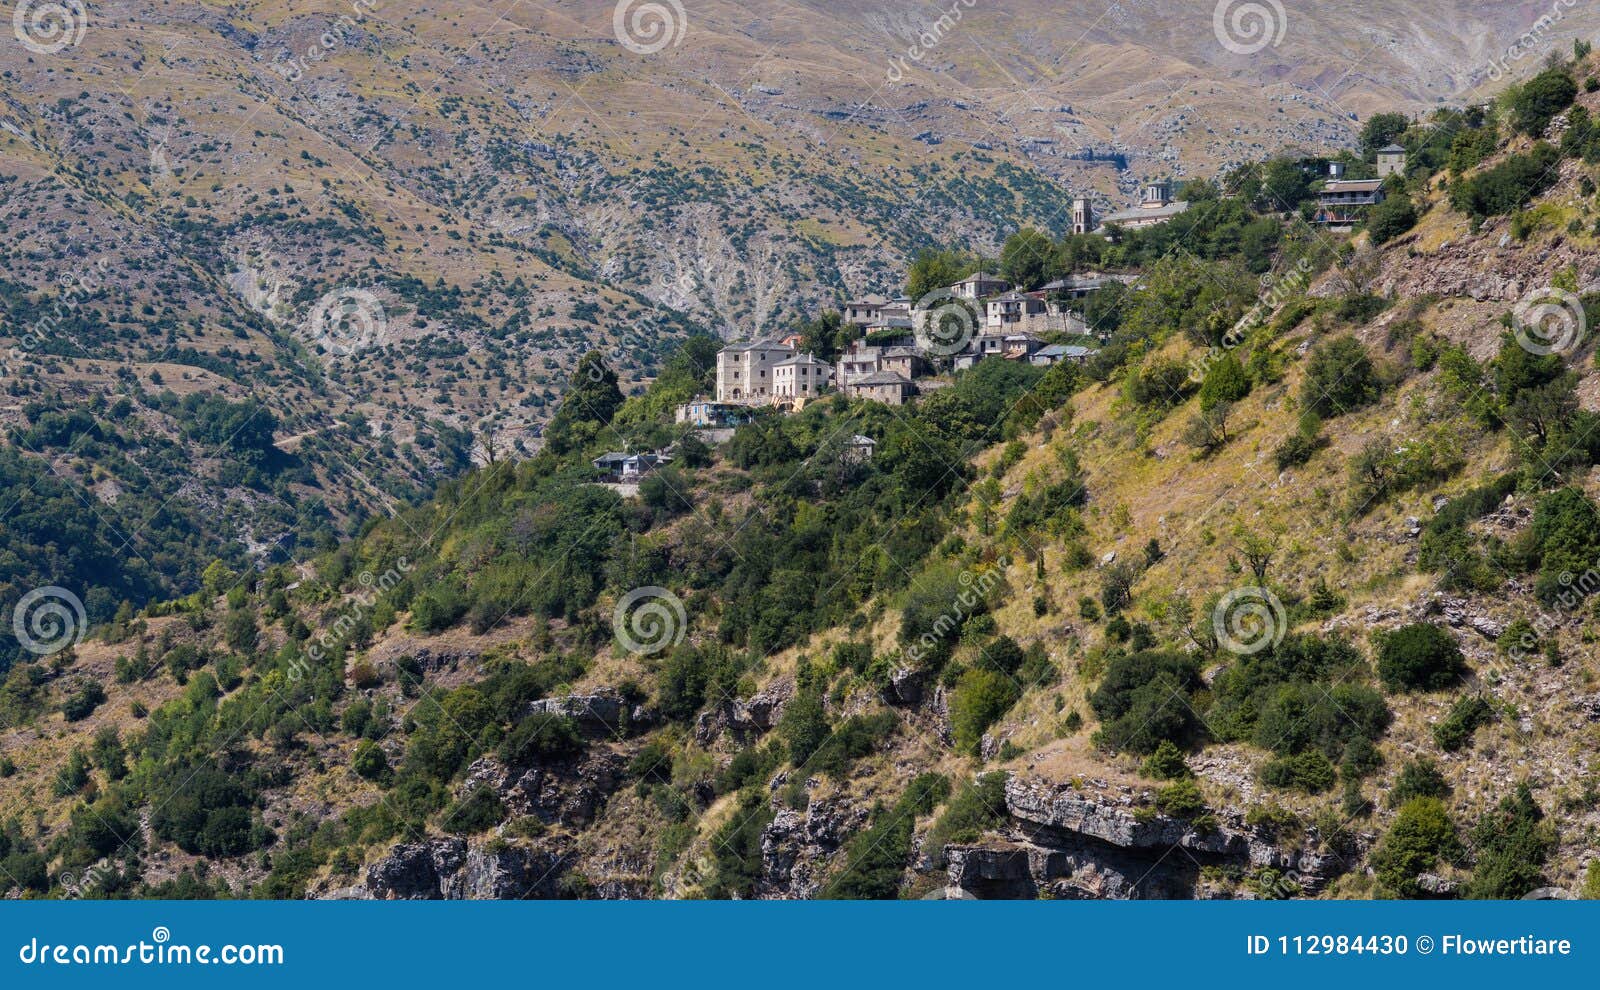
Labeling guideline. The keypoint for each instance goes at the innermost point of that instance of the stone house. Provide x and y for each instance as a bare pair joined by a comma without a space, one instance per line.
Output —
1012,309
980,285
625,467
864,311
888,387
1391,161
744,371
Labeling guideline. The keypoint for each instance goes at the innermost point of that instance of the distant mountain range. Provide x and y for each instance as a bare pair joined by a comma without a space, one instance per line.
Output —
400,227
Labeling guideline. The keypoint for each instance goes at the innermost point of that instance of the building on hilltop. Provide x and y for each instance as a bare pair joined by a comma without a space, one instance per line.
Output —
800,378
744,371
625,467
1156,206
1012,308
1343,202
864,311
888,387
1391,161
979,285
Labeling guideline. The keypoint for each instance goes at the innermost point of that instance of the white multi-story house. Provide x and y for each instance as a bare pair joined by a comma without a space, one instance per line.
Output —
745,371
800,377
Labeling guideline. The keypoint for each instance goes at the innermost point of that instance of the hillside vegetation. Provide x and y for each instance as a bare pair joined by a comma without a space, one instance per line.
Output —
1313,567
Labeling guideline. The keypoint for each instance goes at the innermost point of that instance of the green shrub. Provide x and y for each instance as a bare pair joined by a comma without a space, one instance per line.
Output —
1508,185
1225,381
541,739
804,725
875,859
977,807
1339,378
1389,219
1298,450
1419,778
1512,843
1455,730
1181,799
1419,657
1145,698
1166,763
369,761
981,698
1310,772
1536,102
83,703
1422,836
479,811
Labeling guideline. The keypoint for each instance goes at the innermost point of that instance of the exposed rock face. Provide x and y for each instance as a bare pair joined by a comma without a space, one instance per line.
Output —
1095,842
571,795
796,846
906,686
604,711
415,871
450,869
745,718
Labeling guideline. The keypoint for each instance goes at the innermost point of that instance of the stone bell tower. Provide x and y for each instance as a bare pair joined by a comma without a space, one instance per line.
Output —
1082,215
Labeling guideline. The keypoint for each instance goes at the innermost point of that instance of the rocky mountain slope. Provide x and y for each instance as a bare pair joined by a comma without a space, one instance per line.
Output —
398,228
459,704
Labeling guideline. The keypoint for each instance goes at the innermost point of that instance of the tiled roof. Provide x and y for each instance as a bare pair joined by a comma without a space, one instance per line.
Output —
799,360
882,378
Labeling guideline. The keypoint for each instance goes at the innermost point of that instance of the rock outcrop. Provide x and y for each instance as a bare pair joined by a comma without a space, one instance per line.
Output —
1090,840
451,869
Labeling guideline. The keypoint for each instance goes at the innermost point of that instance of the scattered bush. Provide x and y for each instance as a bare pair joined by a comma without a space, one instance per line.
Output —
1468,712
1339,378
1422,836
1419,657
